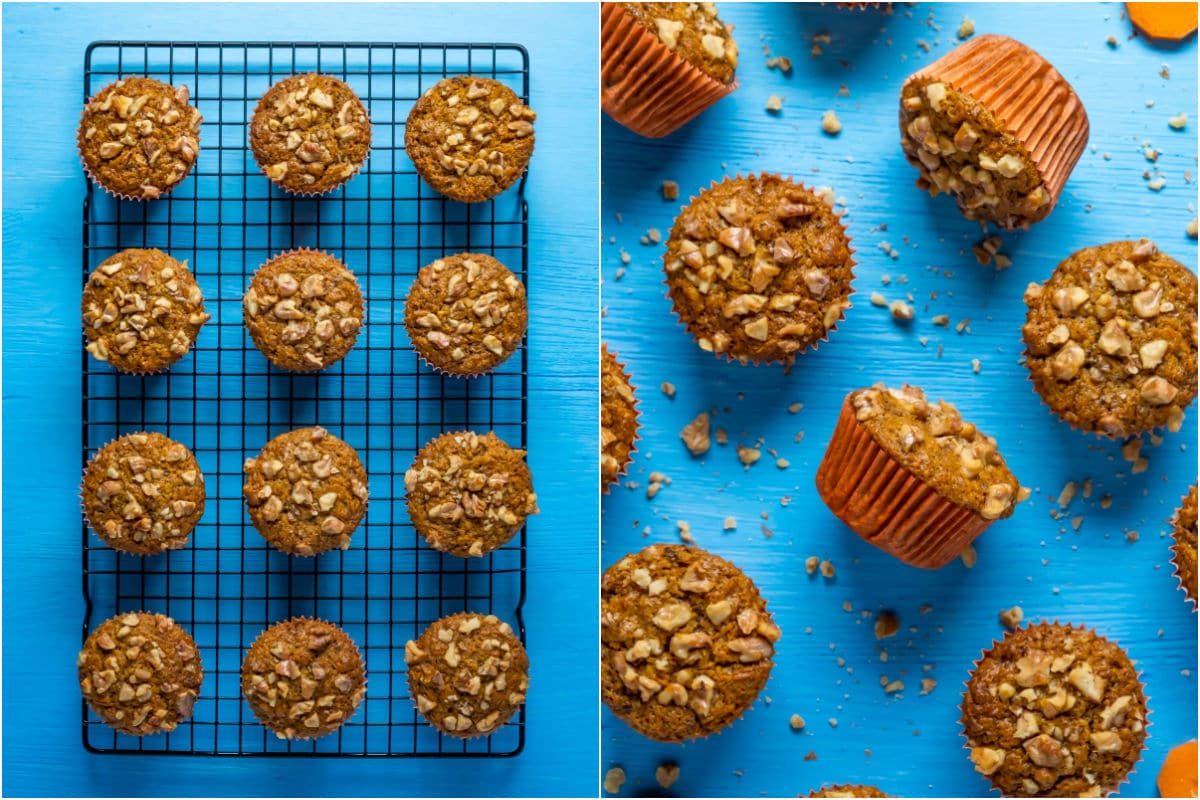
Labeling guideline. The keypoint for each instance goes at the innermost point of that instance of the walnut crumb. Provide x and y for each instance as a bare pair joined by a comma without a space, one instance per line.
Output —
774,104
927,685
827,570
670,190
668,389
810,564
1178,122
729,524
695,435
830,123
1011,617
886,624
967,29
748,455
666,775
797,722
613,780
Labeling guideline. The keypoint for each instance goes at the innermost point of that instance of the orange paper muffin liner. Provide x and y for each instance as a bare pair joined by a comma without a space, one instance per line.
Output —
887,505
637,421
1174,562
645,86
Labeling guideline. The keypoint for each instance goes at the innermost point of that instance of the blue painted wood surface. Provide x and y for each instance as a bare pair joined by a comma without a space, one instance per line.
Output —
908,743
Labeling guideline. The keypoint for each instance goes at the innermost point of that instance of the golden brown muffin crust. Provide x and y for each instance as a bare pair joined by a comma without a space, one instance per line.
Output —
618,419
1184,544
848,789
694,32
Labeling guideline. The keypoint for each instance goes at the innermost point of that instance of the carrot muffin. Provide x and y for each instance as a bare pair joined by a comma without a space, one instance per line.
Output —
468,493
618,419
139,137
466,314
1054,711
848,789
310,134
758,268
467,674
303,310
995,126
470,138
142,310
143,493
1110,339
306,492
911,477
1184,546
303,678
140,673
686,642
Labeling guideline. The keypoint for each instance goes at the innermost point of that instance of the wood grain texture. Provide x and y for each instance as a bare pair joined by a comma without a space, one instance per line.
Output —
907,743
43,604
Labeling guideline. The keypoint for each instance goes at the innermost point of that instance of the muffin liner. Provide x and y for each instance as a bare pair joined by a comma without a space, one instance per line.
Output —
1175,556
1026,94
637,424
644,85
1056,624
696,332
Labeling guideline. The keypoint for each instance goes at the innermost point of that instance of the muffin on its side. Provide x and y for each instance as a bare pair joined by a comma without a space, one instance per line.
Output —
758,268
686,642
306,492
1054,711
466,314
303,678
1183,544
467,674
618,419
1110,339
911,477
848,789
140,673
143,494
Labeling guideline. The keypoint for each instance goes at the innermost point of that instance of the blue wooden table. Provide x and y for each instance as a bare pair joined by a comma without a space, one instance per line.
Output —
830,667
43,607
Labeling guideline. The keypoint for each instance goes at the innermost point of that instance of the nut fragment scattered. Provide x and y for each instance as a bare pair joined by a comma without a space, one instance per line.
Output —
886,624
830,123
695,435
614,779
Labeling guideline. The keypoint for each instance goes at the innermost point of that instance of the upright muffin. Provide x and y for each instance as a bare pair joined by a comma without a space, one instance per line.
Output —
686,642
1110,339
661,64
140,673
758,268
139,137
466,314
849,789
303,678
303,310
306,492
995,126
142,310
618,419
911,477
469,493
143,494
1183,544
467,674
310,134
470,138
1054,711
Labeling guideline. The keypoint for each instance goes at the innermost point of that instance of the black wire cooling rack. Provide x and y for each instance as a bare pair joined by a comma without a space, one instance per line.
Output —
224,401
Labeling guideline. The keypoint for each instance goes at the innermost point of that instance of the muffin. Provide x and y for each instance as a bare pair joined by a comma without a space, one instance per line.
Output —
758,268
995,126
1054,711
661,64
911,477
303,678
303,310
468,493
470,138
1184,544
142,311
143,493
139,137
1110,339
848,789
140,673
310,134
466,314
467,674
686,642
306,492
618,419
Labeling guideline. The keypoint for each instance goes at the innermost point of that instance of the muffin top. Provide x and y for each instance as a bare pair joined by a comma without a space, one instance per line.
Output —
1110,339
310,133
143,493
306,491
467,674
466,313
140,673
142,310
758,268
303,678
139,137
618,419
1184,546
932,441
303,310
848,789
1054,711
694,32
686,642
469,493
470,138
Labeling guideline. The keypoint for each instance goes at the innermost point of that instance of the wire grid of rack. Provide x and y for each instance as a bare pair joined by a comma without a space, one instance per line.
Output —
224,400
